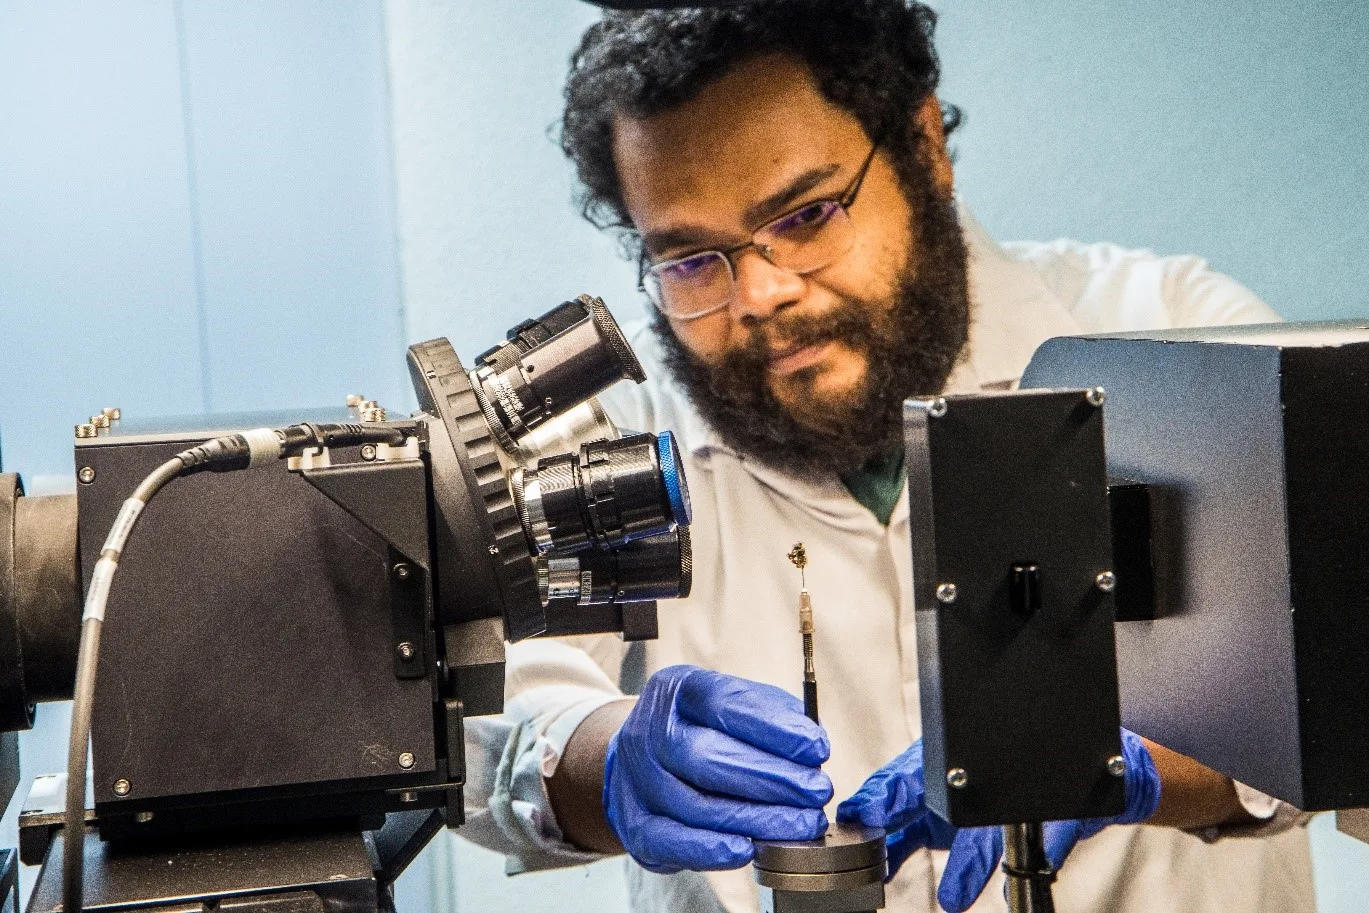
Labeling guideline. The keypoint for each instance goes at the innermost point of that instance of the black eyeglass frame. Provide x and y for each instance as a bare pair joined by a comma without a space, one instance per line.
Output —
846,200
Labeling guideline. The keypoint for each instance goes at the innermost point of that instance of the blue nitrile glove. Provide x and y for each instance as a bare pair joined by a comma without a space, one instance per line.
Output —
705,763
893,798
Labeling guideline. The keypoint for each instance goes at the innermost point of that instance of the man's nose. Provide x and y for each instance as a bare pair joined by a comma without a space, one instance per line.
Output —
762,288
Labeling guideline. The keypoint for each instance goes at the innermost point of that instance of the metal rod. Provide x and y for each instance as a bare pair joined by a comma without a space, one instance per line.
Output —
1029,873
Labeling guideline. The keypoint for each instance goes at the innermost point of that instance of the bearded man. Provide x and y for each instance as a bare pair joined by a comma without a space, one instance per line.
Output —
780,171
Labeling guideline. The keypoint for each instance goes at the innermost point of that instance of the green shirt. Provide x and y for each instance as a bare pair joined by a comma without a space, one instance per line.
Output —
877,484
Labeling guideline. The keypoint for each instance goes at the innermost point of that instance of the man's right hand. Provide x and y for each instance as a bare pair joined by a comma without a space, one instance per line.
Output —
707,762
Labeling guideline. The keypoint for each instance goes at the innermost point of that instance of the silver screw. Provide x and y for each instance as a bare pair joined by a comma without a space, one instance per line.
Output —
112,413
1107,581
86,475
122,787
406,760
100,421
1117,766
1096,396
409,795
938,408
368,452
143,817
947,593
956,778
406,650
494,549
401,571
354,400
86,430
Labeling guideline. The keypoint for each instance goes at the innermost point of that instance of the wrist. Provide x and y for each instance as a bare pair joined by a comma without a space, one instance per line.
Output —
576,786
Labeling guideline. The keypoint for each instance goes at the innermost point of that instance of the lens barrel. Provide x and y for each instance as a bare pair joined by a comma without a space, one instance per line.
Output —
609,494
658,567
552,364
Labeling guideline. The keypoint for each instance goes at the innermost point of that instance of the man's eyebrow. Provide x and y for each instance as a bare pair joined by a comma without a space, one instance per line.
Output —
773,205
693,237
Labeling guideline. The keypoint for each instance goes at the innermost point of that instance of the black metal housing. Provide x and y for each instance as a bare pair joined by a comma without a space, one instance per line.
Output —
1253,441
1018,682
248,665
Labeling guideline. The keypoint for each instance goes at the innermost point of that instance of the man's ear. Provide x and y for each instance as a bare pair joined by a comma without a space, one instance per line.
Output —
929,122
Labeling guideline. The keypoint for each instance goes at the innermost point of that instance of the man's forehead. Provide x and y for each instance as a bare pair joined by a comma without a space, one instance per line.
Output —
742,139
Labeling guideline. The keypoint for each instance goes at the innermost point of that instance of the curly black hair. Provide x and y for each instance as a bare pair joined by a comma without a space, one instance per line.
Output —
872,58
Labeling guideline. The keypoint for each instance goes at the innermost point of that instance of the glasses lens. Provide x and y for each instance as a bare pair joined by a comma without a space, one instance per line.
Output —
808,238
690,286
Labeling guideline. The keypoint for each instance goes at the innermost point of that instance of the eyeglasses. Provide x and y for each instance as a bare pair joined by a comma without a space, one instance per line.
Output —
802,240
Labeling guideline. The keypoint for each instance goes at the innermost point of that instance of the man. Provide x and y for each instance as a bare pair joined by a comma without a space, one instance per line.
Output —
780,169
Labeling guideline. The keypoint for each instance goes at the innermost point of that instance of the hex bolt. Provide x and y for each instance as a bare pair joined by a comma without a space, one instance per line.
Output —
86,475
406,760
401,571
1107,581
937,408
112,413
86,430
143,817
354,400
406,650
1096,396
1117,766
122,787
957,778
368,452
947,592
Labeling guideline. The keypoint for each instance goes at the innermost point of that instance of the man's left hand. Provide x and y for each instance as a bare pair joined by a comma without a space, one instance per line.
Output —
893,799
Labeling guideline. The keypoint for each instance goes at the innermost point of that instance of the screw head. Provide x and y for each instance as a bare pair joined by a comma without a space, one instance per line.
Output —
84,431
86,475
406,650
1107,581
368,452
1117,766
122,787
937,408
143,817
947,593
402,571
406,760
1096,396
957,778
100,421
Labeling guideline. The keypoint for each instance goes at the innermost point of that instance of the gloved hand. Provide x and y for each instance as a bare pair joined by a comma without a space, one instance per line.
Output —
893,798
705,763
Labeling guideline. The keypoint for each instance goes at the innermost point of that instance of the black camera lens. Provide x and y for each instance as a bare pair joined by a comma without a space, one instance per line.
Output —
552,364
658,567
609,494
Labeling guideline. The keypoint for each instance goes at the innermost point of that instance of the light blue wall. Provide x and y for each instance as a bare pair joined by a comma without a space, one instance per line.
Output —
196,213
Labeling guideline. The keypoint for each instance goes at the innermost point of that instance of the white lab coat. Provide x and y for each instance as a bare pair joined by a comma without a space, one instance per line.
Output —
740,617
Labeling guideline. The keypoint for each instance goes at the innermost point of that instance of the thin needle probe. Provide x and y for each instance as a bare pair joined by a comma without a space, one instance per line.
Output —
799,557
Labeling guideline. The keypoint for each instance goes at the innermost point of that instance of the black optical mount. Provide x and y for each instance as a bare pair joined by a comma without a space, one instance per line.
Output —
290,651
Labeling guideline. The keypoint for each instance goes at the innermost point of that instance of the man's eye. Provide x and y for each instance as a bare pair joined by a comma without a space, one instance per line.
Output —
812,216
688,269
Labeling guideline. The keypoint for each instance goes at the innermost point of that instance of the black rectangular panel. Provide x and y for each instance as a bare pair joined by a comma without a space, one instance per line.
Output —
1010,532
249,642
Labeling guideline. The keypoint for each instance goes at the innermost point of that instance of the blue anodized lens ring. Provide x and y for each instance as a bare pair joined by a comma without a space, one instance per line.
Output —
672,473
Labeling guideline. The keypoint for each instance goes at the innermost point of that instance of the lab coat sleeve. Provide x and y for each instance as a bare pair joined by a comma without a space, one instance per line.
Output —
550,688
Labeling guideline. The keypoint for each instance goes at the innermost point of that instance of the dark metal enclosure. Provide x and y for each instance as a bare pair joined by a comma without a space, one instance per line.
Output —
1253,443
1010,534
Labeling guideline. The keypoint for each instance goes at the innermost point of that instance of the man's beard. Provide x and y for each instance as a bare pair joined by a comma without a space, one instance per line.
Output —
909,350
